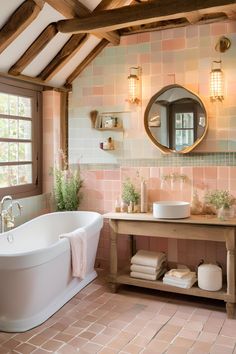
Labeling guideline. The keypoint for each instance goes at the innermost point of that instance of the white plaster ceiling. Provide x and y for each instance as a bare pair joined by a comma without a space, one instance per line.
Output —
14,51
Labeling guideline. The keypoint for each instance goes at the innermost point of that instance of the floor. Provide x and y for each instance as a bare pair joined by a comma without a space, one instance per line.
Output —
131,321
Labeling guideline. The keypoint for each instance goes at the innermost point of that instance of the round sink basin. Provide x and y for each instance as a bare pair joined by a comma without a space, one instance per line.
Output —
171,210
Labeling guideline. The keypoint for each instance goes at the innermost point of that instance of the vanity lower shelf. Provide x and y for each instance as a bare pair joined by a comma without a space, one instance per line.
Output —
124,278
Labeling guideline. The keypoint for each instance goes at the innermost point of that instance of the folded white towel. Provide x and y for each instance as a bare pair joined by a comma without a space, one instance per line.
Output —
184,285
185,277
186,281
179,273
148,258
147,276
146,269
143,276
78,246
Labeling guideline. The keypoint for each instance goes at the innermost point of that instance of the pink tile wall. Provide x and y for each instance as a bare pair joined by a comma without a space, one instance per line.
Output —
51,135
103,187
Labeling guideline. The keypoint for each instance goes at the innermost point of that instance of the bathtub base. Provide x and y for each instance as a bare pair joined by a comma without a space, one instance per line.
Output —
28,323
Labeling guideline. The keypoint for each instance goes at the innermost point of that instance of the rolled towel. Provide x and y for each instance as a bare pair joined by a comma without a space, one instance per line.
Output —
78,246
146,269
148,258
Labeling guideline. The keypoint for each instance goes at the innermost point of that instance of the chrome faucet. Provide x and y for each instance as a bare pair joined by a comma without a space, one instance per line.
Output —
7,214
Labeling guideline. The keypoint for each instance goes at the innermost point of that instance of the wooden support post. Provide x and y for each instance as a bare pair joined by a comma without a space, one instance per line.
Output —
113,255
230,246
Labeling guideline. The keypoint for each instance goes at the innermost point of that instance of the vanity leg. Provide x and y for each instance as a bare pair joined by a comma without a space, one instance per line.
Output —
230,246
113,259
230,308
132,245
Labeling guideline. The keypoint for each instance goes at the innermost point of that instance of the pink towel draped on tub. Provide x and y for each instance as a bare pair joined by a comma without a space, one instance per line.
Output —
78,246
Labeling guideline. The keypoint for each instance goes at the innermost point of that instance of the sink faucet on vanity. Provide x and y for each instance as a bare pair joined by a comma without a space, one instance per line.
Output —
7,213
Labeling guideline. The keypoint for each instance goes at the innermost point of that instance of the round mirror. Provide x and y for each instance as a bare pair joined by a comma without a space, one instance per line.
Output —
175,119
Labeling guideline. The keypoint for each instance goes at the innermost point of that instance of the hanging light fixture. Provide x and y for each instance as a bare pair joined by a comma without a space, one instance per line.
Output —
216,82
217,75
134,85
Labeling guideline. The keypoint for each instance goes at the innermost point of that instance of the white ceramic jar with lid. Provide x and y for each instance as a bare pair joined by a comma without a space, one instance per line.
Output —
210,277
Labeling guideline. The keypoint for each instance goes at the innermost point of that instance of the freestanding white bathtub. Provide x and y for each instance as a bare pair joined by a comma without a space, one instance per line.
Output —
35,267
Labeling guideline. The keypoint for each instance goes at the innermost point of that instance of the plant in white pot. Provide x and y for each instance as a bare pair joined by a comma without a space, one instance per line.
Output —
223,202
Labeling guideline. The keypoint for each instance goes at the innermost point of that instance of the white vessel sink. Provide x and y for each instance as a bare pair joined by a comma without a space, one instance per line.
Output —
171,210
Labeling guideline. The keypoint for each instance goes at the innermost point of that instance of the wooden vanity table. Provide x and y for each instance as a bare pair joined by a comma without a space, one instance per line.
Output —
193,228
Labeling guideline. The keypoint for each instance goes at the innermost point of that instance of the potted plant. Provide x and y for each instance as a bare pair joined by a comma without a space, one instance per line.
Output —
223,202
130,195
67,184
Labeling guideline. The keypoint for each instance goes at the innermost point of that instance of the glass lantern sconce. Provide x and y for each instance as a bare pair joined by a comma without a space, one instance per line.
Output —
217,75
134,83
217,82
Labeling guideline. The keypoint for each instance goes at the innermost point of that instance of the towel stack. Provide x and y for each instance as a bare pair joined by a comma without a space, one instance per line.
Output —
148,265
182,278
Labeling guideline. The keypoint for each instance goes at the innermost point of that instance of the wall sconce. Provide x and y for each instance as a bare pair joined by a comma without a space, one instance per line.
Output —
134,85
216,82
216,75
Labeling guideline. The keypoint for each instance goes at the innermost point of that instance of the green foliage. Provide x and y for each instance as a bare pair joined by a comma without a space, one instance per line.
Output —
220,198
129,193
67,184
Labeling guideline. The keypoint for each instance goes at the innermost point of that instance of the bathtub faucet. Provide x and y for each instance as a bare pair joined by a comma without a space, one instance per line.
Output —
7,214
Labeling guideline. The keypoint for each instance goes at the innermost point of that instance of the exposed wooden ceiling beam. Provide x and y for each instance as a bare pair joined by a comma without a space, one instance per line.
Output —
143,13
69,8
70,48
85,62
36,47
18,21
194,17
32,80
74,8
65,54
231,13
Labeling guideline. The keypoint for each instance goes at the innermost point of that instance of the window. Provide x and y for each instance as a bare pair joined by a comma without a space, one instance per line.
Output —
20,130
183,124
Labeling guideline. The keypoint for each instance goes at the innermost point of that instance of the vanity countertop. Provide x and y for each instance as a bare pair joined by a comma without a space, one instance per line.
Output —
193,219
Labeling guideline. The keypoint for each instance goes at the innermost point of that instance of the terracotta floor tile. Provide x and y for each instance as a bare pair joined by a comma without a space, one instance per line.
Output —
107,350
91,348
40,351
63,337
176,350
182,342
25,348
190,334
4,350
11,343
37,340
157,346
78,342
220,349
132,348
87,335
101,339
52,345
67,349
96,328
227,341
207,337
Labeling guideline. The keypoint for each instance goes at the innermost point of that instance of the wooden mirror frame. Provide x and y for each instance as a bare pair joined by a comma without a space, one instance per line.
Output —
164,149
